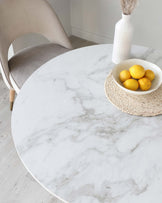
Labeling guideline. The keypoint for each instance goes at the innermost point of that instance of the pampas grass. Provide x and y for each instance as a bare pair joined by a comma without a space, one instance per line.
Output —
128,6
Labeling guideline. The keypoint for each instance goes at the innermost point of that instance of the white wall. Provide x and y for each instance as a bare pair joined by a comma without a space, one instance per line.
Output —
62,9
95,20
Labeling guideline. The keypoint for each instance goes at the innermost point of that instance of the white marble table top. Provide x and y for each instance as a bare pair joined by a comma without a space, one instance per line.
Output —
76,143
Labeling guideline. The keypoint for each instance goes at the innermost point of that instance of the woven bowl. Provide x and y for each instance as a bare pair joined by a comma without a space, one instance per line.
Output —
125,65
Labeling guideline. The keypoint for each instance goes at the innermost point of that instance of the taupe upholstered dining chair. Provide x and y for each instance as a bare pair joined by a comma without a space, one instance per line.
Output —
20,17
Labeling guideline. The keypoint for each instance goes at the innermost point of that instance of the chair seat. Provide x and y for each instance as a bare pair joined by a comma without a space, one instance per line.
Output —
24,63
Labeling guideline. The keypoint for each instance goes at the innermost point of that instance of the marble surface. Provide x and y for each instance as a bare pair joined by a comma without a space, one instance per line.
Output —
79,146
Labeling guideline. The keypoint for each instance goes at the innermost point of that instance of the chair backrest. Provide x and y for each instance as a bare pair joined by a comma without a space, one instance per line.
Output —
19,17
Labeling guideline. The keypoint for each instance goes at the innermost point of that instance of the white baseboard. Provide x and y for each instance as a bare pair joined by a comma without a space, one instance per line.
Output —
100,39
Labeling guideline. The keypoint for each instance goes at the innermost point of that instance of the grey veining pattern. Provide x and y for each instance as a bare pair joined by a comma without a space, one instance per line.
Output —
76,144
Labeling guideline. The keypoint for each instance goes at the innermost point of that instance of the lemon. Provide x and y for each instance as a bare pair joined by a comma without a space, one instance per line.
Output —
149,74
144,84
124,75
137,71
131,84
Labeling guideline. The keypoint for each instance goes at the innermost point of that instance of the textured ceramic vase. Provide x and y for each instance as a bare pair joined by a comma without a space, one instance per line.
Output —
122,39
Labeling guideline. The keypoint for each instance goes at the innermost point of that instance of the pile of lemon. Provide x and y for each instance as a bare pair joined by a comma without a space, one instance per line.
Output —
137,77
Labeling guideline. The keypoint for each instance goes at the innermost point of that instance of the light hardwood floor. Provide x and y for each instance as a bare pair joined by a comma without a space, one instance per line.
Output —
16,184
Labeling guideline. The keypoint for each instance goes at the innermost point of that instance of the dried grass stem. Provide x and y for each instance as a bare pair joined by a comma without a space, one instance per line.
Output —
128,6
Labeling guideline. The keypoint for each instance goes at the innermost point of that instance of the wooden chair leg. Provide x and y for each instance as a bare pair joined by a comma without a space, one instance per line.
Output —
12,98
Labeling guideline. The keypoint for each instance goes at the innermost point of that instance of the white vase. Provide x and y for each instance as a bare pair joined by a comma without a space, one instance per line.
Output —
122,39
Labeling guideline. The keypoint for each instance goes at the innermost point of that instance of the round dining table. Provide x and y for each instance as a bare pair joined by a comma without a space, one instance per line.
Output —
75,143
